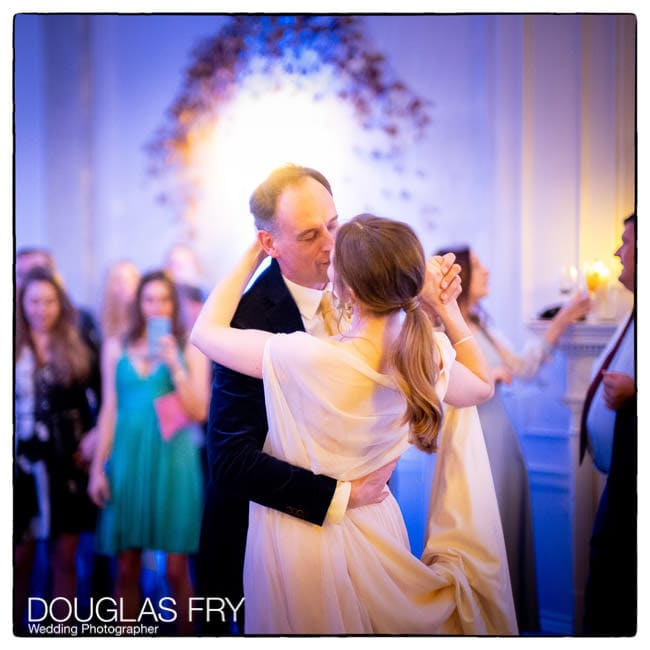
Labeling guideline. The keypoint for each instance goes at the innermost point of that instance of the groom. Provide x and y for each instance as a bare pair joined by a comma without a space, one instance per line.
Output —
296,221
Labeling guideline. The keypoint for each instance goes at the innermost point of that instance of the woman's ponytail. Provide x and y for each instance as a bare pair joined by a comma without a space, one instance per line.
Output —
415,362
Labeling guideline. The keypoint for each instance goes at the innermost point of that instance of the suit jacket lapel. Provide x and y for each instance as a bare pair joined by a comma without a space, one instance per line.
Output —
283,314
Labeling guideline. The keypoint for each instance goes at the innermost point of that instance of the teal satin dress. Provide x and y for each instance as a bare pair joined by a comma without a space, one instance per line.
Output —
156,485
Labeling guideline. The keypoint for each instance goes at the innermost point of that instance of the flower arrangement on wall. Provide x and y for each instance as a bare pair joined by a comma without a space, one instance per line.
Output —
325,58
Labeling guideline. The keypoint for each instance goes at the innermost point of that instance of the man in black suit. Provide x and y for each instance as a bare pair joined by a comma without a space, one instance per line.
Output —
296,221
611,590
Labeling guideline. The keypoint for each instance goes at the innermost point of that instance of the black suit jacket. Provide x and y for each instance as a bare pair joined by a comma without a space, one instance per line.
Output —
611,591
239,471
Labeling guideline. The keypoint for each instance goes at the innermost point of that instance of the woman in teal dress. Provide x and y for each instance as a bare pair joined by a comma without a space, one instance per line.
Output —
146,471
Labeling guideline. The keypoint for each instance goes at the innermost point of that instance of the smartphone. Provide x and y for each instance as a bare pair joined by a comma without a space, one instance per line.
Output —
157,327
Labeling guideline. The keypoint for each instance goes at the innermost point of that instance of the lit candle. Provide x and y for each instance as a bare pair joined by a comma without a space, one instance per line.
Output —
596,275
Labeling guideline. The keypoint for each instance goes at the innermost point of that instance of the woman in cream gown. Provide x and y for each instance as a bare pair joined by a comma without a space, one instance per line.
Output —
333,408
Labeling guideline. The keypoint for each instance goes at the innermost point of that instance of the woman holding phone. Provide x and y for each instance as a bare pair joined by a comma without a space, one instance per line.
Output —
146,471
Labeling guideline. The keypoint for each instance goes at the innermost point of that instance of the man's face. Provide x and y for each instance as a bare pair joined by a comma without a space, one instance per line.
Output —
627,255
306,224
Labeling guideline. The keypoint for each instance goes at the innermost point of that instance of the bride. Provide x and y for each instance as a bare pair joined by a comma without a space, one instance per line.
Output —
347,405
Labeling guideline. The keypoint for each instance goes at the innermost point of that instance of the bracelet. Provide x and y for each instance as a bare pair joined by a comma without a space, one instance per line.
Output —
467,338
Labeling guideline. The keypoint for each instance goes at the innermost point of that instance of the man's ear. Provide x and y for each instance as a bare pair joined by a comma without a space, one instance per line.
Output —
267,242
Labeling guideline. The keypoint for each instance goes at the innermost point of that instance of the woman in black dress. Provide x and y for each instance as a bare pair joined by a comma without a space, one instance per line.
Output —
55,369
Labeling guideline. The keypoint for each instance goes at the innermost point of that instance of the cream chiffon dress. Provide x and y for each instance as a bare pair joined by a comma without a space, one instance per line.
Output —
332,413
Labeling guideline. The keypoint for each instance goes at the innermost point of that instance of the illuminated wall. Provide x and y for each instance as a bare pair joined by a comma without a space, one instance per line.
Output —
578,154
530,155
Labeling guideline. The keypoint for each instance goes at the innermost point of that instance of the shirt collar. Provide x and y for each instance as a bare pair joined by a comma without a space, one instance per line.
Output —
307,299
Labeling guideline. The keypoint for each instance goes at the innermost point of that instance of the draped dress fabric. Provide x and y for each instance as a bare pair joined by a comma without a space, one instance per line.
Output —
156,485
512,487
332,413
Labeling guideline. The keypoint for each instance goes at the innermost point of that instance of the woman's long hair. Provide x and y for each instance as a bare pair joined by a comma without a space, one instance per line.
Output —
383,262
115,311
67,354
137,323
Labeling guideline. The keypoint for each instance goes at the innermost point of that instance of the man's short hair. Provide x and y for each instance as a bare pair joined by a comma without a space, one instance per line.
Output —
48,258
630,219
264,199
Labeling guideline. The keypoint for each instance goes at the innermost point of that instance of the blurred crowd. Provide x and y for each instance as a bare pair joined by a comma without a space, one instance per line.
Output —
96,396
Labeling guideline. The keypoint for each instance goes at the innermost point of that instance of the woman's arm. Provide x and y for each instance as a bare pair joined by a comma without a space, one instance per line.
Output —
98,488
239,350
576,308
465,388
192,383
470,379
537,350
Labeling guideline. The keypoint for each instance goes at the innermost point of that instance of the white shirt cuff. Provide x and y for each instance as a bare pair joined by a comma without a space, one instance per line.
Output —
339,505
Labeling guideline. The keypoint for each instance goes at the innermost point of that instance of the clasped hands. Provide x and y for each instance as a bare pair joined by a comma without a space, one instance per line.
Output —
442,284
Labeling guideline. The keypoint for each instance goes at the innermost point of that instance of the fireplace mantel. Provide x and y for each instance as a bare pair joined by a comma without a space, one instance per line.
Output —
579,346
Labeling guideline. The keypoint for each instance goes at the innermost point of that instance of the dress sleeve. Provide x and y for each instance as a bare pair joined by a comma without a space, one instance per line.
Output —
527,363
447,357
286,352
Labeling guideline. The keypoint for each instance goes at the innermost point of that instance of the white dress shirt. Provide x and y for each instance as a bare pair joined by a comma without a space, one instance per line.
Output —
600,419
308,301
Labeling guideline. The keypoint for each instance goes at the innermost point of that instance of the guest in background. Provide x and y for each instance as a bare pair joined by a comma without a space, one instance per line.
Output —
185,269
117,300
53,368
609,431
504,451
191,301
182,263
146,473
30,257
119,293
